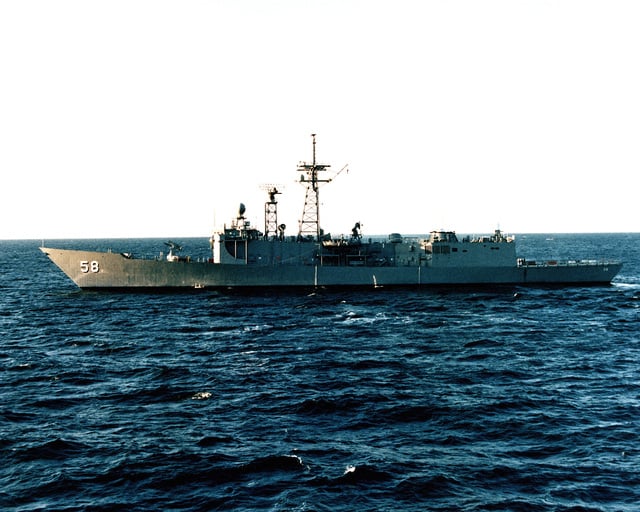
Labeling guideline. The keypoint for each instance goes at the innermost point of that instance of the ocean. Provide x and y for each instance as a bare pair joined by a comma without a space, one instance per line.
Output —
471,399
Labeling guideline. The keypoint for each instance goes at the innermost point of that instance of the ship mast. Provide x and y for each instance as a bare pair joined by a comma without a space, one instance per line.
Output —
310,221
271,227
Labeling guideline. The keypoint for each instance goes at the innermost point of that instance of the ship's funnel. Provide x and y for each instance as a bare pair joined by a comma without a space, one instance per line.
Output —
241,209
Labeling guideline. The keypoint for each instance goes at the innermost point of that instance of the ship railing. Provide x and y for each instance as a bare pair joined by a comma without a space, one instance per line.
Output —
521,262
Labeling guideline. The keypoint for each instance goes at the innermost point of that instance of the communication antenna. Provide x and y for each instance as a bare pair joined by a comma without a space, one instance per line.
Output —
271,209
309,225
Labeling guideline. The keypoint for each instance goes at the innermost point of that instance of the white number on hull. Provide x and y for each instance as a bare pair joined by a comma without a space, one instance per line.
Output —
89,266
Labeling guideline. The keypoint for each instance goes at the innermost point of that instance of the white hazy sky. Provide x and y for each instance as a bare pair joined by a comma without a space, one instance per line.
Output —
157,118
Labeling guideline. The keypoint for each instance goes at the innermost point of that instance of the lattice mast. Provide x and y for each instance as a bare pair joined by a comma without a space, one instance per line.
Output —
271,211
310,222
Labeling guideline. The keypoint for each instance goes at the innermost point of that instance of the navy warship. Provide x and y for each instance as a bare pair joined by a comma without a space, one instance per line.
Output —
243,256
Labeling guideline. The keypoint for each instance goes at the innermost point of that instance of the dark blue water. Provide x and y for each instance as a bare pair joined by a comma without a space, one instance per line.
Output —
464,399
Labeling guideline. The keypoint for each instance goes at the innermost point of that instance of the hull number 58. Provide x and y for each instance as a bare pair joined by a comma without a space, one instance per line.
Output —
89,266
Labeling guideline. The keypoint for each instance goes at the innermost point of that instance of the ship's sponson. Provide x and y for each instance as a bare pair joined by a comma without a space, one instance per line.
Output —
252,261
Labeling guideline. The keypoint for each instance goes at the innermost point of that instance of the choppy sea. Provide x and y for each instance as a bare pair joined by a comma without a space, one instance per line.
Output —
468,399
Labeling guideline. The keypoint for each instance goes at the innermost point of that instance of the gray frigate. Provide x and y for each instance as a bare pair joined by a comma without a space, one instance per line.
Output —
243,256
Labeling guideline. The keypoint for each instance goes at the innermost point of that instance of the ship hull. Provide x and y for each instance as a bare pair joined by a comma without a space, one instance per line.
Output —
105,270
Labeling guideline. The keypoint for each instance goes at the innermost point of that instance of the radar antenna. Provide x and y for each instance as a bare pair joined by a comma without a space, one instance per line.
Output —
309,225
